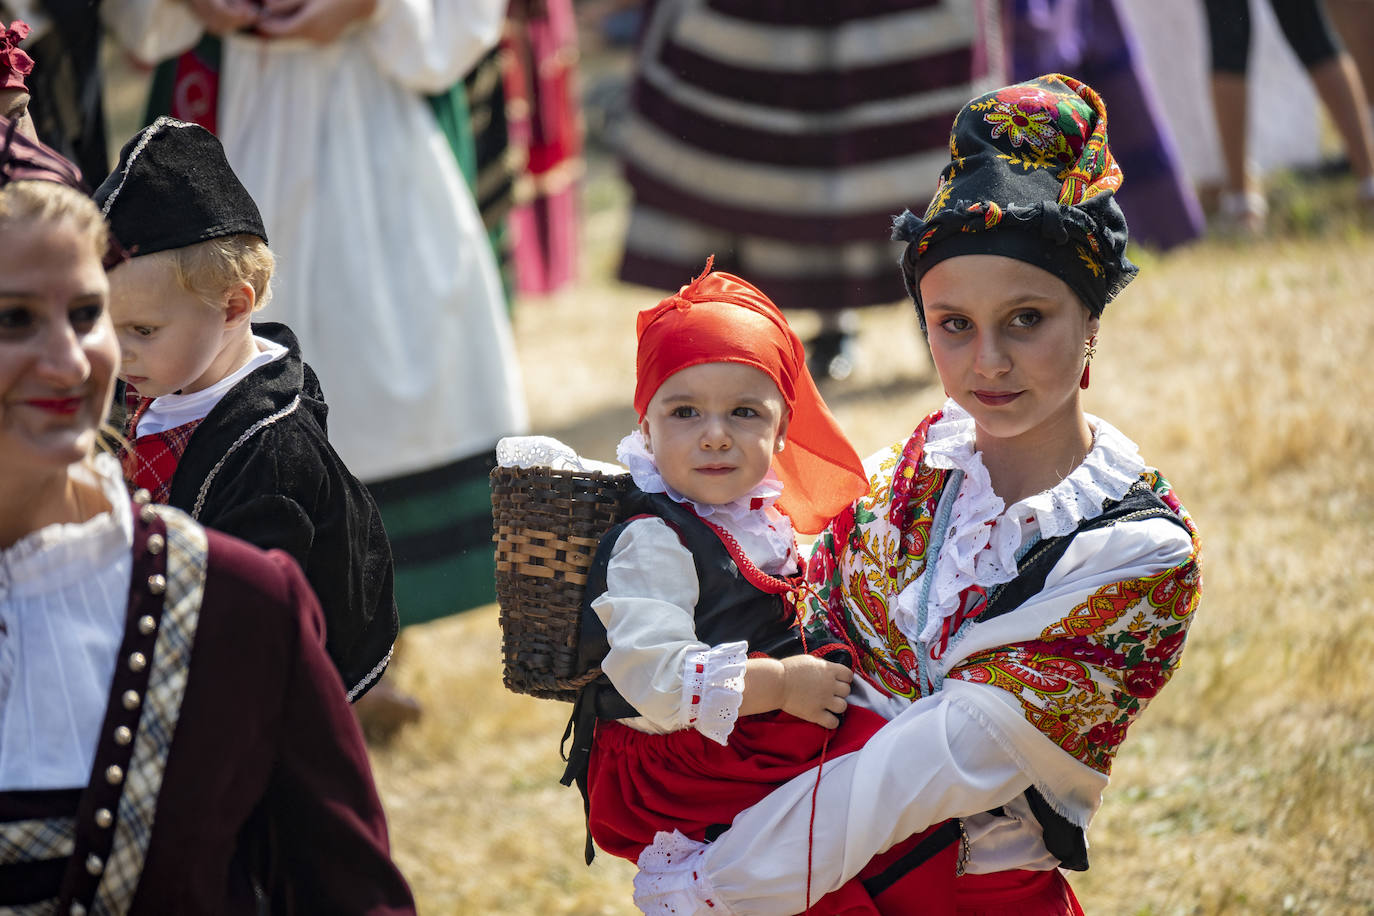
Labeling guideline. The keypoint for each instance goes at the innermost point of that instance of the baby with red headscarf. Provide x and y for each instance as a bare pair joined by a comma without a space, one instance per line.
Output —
711,694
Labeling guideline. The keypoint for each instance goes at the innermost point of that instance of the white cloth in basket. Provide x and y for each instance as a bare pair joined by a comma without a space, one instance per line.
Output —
547,452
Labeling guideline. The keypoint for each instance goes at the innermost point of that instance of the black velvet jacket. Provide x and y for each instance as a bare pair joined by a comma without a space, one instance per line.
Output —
260,467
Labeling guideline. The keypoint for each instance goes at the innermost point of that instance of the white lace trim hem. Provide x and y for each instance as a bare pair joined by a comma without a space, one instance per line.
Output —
713,688
671,879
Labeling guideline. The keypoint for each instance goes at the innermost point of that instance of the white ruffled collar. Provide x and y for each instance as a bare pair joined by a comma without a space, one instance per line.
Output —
754,520
983,535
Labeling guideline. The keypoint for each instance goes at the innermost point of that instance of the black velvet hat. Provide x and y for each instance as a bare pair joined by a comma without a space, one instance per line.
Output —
1030,177
173,187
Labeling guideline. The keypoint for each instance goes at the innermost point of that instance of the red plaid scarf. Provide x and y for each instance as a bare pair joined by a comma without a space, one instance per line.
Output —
151,460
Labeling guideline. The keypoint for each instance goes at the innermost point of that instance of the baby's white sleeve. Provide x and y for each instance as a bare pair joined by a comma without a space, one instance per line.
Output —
656,661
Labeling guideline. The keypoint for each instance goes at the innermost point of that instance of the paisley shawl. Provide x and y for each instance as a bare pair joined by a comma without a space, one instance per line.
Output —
1082,658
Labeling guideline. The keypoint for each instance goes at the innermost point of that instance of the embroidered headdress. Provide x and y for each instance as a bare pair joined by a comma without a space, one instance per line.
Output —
15,63
719,317
174,187
1030,177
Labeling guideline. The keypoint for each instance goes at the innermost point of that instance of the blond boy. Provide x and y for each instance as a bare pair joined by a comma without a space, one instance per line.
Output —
227,422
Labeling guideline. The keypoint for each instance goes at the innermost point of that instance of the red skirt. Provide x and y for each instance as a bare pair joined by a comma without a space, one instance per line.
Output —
1016,893
640,784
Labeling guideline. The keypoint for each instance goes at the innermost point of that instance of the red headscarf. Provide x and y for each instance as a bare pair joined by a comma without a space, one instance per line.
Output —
720,318
15,64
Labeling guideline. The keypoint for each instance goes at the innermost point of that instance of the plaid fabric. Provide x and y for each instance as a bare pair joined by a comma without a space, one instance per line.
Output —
151,460
36,840
187,555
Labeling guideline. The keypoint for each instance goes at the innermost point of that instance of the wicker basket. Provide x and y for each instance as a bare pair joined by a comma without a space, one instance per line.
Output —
548,523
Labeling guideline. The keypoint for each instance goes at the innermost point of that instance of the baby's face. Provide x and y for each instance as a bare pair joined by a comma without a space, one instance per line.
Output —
169,338
713,430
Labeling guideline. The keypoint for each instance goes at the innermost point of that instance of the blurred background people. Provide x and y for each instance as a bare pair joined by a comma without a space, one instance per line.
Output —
545,124
1242,205
782,138
67,83
1354,21
1094,41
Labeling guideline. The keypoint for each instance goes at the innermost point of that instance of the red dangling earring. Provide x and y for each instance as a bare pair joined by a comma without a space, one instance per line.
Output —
1089,348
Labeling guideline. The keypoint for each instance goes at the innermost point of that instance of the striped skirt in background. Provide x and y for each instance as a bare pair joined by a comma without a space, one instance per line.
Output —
783,136
1093,42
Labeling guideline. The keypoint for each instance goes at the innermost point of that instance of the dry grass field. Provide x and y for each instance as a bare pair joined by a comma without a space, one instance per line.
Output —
1244,371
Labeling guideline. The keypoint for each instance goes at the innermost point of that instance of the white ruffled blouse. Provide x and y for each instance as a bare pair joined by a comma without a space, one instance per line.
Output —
64,590
656,660
984,536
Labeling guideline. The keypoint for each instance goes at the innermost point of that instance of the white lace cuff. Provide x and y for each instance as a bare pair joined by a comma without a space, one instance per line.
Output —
672,881
713,688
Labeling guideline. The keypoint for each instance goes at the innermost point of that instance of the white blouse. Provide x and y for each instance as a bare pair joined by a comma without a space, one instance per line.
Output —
656,661
64,590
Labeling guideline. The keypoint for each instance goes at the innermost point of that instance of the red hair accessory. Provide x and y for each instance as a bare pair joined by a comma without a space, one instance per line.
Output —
719,317
15,64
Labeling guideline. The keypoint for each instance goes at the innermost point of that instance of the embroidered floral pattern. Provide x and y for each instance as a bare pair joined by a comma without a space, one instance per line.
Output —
1082,679
1031,127
1090,262
1088,677
887,532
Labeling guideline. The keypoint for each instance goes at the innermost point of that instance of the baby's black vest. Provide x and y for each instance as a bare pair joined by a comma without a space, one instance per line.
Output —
729,608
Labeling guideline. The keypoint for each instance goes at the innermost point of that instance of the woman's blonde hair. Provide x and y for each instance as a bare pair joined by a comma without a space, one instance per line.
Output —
209,268
24,202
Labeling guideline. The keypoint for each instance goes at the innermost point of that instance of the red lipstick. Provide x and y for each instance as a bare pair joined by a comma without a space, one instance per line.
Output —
62,406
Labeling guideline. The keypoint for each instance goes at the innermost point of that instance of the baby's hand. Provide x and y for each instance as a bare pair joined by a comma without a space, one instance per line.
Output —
815,689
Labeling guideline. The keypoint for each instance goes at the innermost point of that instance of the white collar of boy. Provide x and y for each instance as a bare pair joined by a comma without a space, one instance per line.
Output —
985,534
173,410
765,533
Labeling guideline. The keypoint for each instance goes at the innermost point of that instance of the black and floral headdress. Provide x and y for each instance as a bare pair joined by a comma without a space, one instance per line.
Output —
1030,177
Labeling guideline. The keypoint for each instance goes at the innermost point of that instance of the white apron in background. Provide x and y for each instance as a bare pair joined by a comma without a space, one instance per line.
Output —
384,270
